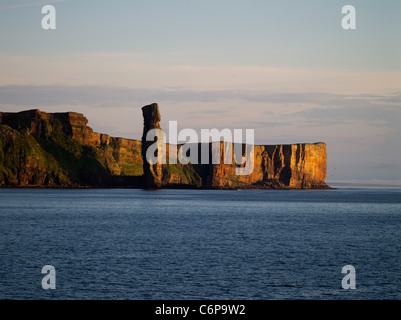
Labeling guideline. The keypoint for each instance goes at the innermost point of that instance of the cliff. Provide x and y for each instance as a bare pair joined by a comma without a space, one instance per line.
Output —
292,166
61,150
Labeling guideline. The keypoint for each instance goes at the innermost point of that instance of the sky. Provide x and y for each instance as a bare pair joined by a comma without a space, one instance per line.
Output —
286,69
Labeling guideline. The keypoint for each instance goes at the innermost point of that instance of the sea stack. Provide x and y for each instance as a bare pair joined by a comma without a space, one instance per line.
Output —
153,172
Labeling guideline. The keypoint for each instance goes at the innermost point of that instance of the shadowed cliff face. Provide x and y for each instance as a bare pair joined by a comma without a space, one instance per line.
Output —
153,172
157,175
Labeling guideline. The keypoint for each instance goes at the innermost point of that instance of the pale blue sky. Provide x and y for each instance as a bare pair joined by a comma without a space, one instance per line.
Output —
284,68
278,33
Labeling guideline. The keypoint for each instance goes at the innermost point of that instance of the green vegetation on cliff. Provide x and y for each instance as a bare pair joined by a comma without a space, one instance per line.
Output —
40,149
24,162
82,163
178,173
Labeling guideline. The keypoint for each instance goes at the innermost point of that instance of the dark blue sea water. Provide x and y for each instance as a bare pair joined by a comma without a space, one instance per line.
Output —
200,244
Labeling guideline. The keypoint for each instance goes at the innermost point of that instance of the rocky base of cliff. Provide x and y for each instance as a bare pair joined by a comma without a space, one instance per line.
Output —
267,185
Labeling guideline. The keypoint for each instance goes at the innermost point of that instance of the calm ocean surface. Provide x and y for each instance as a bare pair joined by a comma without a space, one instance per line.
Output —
200,244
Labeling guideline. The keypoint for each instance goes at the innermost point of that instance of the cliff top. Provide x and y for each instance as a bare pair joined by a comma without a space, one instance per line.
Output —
33,112
74,123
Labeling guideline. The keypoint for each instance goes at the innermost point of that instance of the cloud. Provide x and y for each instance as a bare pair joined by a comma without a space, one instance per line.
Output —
315,105
100,95
151,71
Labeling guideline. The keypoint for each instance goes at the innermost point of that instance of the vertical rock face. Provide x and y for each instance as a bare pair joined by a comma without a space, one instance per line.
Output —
300,165
295,166
290,166
153,172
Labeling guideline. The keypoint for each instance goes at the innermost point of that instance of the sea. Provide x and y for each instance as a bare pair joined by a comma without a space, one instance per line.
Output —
118,244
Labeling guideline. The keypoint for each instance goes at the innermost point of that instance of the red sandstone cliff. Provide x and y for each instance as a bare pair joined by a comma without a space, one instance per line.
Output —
60,149
295,166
